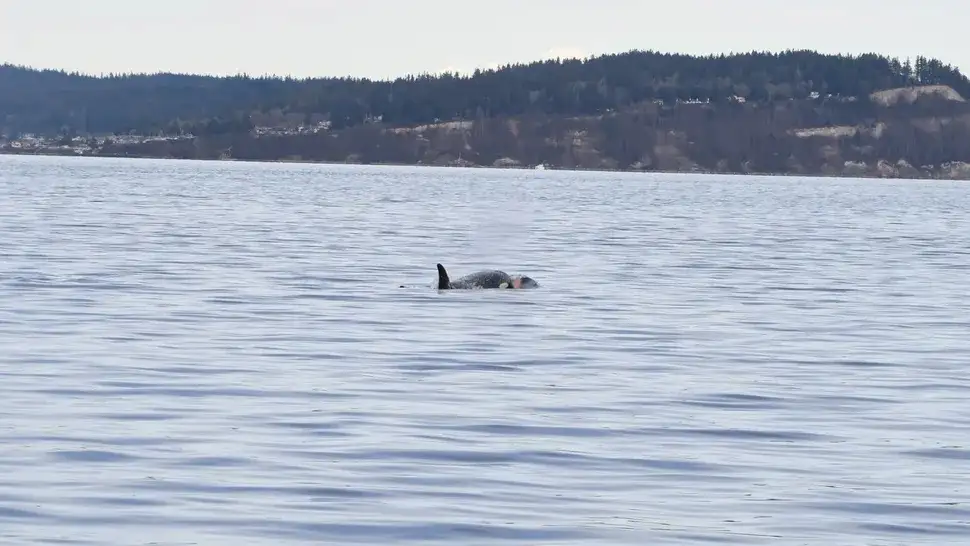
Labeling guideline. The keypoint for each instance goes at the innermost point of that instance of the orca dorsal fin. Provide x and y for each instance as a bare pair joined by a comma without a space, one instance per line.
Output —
443,280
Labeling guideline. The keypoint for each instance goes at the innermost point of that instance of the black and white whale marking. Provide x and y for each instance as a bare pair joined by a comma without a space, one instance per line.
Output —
491,278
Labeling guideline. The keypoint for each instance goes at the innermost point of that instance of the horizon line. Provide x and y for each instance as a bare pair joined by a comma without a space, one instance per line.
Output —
467,73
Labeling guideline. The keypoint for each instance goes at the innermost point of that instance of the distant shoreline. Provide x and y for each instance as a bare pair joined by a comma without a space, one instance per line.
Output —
786,113
487,167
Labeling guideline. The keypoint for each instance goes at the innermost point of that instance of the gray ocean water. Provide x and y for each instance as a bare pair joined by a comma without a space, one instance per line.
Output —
222,354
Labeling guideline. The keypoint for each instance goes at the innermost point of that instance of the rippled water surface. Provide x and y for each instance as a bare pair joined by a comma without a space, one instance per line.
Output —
223,353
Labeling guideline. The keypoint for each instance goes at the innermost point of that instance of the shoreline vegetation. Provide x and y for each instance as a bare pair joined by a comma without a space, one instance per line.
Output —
790,113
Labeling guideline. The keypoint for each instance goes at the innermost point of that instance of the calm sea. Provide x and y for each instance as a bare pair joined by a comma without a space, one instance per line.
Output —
223,354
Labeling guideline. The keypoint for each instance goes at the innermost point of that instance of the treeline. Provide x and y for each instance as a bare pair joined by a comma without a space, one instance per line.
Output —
57,102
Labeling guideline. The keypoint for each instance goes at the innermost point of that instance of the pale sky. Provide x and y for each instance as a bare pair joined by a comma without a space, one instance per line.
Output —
387,38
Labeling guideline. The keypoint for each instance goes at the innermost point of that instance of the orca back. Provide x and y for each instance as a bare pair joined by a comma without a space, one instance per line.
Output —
484,279
489,278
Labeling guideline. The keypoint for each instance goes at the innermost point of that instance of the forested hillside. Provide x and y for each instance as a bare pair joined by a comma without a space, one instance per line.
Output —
48,102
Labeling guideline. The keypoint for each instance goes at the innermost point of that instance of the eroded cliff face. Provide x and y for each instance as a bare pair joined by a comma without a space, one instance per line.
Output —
909,132
902,133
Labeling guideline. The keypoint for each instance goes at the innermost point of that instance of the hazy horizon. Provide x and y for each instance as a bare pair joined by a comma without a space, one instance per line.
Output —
378,39
469,71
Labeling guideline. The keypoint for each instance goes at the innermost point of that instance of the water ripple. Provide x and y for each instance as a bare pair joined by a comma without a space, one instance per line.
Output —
223,353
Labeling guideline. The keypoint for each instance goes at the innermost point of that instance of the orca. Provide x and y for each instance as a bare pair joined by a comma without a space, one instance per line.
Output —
491,278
